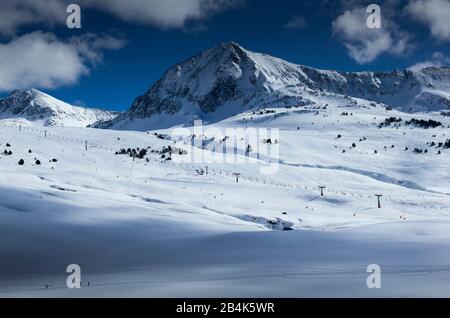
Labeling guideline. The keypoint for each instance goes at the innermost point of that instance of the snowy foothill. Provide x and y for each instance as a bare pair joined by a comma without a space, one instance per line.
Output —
23,106
162,226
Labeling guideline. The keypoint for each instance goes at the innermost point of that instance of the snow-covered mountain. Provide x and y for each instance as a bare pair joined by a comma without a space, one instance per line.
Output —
229,79
36,106
138,224
143,211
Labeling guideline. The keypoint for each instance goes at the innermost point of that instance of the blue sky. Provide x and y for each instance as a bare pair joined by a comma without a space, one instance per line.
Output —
125,52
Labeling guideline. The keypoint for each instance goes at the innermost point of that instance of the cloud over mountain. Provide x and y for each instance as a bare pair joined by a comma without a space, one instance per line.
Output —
19,13
435,14
160,13
365,45
42,60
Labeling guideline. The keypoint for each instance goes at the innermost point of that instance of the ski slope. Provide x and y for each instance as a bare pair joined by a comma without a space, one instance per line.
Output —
157,228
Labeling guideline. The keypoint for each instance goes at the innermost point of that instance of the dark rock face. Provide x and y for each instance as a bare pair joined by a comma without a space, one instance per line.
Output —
201,81
147,105
20,102
223,91
231,79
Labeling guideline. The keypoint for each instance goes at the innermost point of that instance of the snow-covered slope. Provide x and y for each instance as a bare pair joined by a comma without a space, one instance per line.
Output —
35,106
160,225
229,79
161,228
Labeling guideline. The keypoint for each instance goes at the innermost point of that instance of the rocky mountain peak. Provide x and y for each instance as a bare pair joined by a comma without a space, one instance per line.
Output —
35,106
229,79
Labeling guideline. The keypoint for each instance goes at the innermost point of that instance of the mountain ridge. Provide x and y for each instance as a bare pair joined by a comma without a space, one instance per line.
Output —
36,106
229,79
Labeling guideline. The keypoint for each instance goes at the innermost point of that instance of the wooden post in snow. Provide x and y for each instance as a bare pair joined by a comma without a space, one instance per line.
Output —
379,200
321,190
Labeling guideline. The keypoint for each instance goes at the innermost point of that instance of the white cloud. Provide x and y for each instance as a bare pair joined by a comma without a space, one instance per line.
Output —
162,13
437,59
41,60
18,13
90,45
297,22
434,13
364,44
